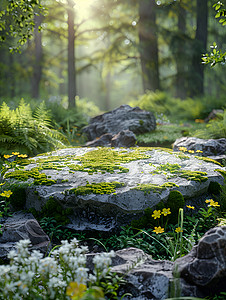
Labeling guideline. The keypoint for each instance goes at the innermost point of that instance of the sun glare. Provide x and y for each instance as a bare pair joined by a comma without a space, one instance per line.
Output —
84,7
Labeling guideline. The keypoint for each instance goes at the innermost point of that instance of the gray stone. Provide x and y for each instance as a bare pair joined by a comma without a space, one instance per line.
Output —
104,140
124,138
145,278
200,273
205,265
209,147
121,118
102,211
22,226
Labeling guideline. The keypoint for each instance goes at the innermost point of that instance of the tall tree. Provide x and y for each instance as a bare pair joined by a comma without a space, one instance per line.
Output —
37,61
148,45
197,84
181,51
71,55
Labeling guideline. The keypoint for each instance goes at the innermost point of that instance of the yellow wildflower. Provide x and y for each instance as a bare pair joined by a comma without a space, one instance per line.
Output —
7,156
2,183
214,204
208,200
191,207
199,151
15,153
191,151
6,194
184,149
178,229
158,230
75,290
156,214
22,155
166,211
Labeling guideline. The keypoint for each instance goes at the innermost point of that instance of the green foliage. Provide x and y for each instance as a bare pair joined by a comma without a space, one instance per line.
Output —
17,20
176,109
18,198
214,188
222,199
215,57
175,201
220,12
215,129
163,135
52,208
26,133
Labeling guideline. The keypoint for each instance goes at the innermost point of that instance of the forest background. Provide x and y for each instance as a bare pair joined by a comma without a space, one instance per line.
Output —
99,54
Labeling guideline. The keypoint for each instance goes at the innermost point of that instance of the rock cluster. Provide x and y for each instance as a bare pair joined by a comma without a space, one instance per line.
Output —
122,118
201,273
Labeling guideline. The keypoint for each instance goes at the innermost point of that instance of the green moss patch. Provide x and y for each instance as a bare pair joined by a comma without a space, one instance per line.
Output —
207,159
173,170
222,172
101,160
194,175
149,187
97,188
24,175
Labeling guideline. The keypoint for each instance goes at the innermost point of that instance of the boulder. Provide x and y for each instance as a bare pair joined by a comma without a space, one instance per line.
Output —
121,118
205,265
208,147
18,227
104,188
124,138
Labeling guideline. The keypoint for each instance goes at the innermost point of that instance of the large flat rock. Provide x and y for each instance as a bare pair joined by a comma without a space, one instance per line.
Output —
106,187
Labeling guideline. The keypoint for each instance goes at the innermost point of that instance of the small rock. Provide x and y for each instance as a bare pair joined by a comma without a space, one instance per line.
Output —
19,227
124,138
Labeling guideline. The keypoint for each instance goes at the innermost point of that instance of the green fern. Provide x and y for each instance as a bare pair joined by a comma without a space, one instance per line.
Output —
22,131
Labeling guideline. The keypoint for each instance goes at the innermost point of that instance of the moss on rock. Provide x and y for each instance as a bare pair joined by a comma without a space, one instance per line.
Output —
97,188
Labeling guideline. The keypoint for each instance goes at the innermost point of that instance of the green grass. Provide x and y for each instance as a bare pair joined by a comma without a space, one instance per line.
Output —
165,135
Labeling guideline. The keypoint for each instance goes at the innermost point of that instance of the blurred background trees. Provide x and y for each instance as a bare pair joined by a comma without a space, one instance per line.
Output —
93,55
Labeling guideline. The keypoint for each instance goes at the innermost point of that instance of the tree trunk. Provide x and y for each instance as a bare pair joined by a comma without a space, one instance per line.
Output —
37,65
180,53
12,76
197,87
148,45
71,55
